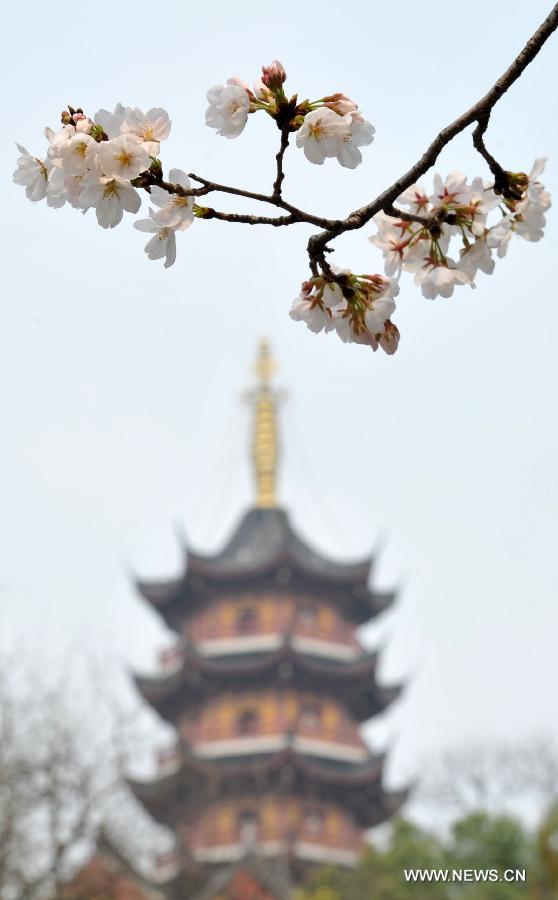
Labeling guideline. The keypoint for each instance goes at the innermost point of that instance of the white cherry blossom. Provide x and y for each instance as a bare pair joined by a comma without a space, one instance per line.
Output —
399,240
74,185
454,190
535,191
500,236
482,200
332,294
357,133
32,174
57,194
111,122
174,211
122,157
321,134
307,309
377,313
78,154
110,197
416,198
228,109
475,257
163,242
151,127
57,139
440,281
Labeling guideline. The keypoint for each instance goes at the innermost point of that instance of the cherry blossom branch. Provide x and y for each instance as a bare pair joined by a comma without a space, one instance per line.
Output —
397,213
480,147
206,212
101,163
148,179
278,183
479,113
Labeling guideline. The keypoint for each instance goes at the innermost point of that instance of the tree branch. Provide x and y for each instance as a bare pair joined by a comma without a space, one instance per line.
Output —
206,212
480,113
148,179
298,215
278,183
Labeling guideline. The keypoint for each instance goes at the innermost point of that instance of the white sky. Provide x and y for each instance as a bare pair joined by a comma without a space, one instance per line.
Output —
121,382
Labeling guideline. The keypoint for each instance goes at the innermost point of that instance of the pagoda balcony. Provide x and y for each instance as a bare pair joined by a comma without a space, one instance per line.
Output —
241,645
268,720
253,745
302,850
253,617
313,832
227,853
327,854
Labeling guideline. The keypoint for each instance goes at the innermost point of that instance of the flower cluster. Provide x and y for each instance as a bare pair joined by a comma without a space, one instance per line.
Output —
331,127
444,238
356,307
456,216
96,163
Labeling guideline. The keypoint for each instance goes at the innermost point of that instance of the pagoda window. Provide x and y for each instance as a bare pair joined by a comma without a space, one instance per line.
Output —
308,615
313,822
248,827
247,620
247,722
310,715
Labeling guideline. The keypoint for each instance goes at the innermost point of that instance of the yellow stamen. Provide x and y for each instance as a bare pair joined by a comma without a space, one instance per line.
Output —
124,158
111,189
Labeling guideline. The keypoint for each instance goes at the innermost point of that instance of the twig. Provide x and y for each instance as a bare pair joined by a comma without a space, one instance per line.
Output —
206,212
397,213
278,183
147,180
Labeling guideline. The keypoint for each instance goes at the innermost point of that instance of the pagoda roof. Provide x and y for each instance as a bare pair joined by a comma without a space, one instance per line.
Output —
357,786
200,677
265,543
265,538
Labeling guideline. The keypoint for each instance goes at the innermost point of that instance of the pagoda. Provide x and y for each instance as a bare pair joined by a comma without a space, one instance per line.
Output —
267,686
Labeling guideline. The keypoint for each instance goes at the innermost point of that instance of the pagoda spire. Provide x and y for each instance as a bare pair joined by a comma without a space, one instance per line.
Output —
265,449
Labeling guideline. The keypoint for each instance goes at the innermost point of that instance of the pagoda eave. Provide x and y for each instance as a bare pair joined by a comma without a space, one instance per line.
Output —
189,786
155,688
205,678
186,594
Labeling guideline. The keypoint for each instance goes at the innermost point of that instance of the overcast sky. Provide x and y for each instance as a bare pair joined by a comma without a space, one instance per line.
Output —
121,382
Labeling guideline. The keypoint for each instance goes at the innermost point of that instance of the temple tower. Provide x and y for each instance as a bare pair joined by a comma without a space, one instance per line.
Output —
267,686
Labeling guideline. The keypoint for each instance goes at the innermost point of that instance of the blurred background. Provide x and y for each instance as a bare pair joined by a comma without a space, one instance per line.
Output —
122,383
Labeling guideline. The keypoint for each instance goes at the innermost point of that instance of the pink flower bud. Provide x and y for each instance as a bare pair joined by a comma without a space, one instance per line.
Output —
389,339
83,124
341,104
274,75
262,92
237,81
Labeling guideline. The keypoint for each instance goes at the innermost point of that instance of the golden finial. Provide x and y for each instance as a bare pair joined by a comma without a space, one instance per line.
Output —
265,437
